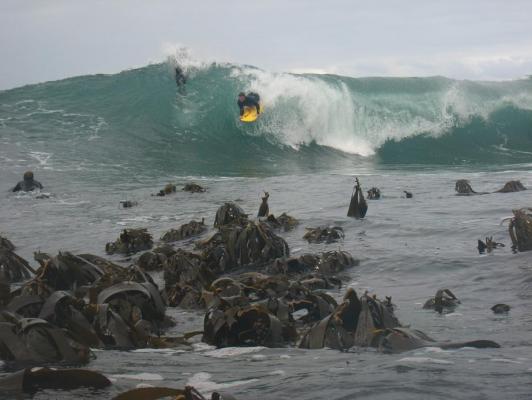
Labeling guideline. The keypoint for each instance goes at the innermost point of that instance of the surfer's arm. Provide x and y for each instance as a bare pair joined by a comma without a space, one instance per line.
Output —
17,188
241,106
257,105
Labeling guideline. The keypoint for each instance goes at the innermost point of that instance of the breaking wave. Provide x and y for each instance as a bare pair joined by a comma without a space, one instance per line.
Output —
136,118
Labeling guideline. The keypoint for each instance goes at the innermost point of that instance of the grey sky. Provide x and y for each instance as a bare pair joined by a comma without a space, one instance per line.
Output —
475,39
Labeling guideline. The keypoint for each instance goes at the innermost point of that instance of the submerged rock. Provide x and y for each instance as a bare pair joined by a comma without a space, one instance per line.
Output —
130,241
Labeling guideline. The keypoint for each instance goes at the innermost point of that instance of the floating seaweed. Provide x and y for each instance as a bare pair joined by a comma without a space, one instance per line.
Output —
443,300
229,213
358,206
327,234
130,241
264,209
193,188
520,229
374,193
283,222
463,188
193,228
512,186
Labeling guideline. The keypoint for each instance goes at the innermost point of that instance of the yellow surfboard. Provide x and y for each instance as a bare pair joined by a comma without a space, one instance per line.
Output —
250,114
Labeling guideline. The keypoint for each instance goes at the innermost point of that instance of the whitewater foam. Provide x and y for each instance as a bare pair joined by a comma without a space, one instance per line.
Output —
203,383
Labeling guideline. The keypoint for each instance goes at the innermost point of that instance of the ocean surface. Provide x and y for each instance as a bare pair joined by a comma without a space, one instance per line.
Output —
94,141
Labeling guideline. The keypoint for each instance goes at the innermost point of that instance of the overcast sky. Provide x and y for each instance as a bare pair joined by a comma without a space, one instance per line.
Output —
474,39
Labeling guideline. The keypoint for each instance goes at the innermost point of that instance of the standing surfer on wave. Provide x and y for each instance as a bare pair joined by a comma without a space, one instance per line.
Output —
180,79
251,100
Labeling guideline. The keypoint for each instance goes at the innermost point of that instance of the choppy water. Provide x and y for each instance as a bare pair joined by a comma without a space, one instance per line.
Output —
94,141
409,248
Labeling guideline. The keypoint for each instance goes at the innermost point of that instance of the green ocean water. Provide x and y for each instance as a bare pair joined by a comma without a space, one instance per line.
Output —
312,122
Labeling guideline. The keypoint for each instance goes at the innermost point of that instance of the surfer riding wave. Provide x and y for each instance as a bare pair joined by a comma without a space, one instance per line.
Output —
251,100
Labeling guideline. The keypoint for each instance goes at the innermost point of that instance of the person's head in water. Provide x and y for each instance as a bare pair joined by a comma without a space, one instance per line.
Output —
241,96
28,183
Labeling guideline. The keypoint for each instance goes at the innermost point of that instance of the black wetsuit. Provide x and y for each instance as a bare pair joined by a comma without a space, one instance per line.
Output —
251,100
180,78
27,185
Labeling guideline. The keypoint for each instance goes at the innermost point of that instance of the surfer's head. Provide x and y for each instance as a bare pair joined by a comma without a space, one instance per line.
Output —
241,96
28,176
